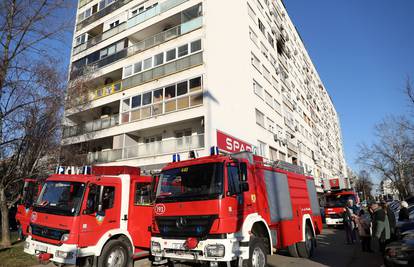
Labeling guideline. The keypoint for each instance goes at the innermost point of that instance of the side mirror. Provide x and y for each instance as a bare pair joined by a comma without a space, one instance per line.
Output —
244,187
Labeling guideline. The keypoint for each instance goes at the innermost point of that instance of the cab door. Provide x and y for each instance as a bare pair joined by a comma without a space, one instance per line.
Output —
101,212
140,213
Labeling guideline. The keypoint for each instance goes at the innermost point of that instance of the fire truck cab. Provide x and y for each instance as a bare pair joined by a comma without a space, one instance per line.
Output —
31,189
97,219
233,209
335,203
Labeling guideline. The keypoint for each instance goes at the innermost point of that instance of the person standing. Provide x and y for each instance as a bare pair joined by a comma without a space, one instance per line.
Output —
403,215
380,226
349,223
391,219
363,222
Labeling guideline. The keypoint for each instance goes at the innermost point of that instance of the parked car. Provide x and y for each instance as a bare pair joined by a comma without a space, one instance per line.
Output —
401,252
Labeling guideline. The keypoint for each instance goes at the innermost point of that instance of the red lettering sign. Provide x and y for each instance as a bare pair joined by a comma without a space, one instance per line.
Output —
334,183
230,144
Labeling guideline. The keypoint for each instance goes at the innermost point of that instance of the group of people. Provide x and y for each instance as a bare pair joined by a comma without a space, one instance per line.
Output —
378,223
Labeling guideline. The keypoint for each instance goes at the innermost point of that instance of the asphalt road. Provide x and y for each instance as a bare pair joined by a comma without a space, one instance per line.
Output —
331,251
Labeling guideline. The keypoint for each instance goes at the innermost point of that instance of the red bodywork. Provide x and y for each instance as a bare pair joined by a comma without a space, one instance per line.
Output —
31,189
230,213
335,203
85,230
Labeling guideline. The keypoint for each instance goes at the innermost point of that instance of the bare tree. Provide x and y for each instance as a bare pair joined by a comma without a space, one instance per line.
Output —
409,90
392,154
31,87
363,184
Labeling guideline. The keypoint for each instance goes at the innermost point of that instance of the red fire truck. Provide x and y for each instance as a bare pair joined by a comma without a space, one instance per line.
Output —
31,189
97,219
335,203
233,209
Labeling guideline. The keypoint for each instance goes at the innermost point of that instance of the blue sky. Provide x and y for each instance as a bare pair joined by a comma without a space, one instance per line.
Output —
363,51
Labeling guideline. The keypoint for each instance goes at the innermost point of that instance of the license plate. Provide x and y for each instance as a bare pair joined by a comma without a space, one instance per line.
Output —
178,246
41,248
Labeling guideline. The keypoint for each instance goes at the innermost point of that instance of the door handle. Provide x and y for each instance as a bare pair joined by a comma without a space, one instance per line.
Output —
112,221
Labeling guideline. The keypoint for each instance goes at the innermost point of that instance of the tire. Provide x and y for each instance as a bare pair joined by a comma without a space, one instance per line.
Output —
116,253
305,249
84,262
257,253
293,251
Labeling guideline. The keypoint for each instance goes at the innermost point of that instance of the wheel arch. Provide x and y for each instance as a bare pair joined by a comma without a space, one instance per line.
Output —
254,222
108,236
307,220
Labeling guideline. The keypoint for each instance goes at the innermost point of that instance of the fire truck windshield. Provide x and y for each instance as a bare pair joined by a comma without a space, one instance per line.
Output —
338,200
196,182
61,198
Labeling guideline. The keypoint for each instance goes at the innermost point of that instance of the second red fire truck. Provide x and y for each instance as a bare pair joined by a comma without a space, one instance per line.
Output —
335,203
99,219
233,210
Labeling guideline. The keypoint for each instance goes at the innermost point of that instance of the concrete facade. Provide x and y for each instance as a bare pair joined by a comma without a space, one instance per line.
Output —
166,76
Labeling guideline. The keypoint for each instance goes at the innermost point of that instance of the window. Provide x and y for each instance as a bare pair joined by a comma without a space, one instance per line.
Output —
159,59
268,99
136,101
147,98
170,92
255,62
143,194
195,84
195,46
158,95
138,67
253,36
271,40
270,125
233,179
80,39
183,50
171,55
261,26
260,118
114,24
108,197
128,71
261,148
147,63
182,88
258,89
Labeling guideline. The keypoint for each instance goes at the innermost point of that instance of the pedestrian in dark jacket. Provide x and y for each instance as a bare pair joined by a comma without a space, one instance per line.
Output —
363,222
403,215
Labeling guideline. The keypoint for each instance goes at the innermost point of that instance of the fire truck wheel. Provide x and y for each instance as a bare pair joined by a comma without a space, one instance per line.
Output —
305,249
115,254
293,251
257,253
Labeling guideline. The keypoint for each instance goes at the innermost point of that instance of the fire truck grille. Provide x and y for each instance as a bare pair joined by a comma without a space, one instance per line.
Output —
185,226
46,232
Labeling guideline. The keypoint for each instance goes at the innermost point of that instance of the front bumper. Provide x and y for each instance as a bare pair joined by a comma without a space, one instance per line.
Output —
34,247
174,249
330,221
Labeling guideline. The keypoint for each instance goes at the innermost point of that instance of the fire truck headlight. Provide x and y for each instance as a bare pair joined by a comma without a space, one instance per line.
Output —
64,237
63,254
155,247
215,251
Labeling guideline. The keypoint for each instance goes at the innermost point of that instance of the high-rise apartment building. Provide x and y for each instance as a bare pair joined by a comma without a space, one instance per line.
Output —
160,77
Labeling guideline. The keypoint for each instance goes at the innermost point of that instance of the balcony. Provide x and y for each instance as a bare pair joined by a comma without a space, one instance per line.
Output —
145,44
91,126
102,13
152,149
150,13
133,21
159,72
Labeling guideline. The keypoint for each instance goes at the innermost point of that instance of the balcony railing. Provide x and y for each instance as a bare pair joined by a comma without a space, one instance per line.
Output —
91,126
152,149
145,44
101,13
141,78
150,13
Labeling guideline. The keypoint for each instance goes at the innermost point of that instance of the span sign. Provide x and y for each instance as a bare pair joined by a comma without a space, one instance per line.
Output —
231,144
